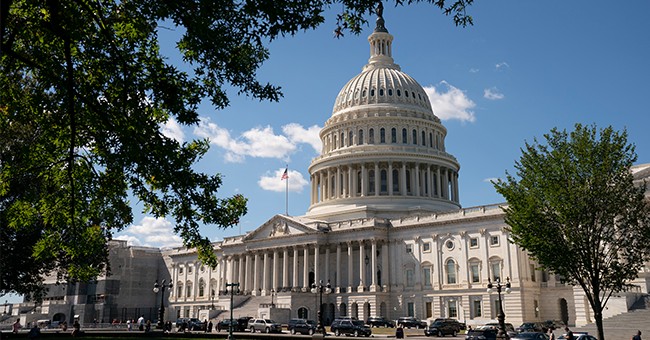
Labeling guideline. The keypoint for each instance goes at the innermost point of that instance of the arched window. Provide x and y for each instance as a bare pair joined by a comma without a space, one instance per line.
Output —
372,92
424,140
399,94
303,313
383,184
404,136
450,268
395,181
406,93
381,92
335,144
371,136
390,92
414,135
343,309
188,289
179,289
382,135
360,137
201,288
408,182
358,182
430,139
350,138
393,135
371,181
342,139
332,186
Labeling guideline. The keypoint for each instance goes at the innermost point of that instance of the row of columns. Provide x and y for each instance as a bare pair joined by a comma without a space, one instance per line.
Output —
259,272
424,180
383,136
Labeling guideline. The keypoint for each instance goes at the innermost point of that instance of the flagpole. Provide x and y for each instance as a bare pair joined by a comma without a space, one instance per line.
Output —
286,192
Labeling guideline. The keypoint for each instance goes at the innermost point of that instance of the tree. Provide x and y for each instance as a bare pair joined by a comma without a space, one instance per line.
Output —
576,211
84,90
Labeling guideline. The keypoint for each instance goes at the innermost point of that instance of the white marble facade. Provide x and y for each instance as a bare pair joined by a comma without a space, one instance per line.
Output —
385,227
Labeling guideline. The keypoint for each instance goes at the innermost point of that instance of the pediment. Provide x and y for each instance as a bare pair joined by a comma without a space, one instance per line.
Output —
279,226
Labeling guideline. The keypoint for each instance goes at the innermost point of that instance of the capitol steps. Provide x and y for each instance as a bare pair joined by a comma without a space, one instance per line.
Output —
624,326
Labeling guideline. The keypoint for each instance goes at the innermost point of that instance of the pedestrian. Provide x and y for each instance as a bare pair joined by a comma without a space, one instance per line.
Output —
76,328
129,327
34,333
205,325
16,326
399,332
147,327
210,327
551,335
141,322
569,334
637,336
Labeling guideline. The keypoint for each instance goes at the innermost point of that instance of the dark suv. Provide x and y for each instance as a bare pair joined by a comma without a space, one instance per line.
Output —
442,328
379,321
409,321
303,326
350,327
482,334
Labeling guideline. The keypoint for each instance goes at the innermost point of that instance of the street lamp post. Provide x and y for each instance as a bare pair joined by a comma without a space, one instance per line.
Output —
232,296
161,312
320,289
273,292
501,317
212,297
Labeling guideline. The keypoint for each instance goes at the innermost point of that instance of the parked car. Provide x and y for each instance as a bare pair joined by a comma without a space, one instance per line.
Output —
225,325
242,323
578,336
350,327
530,336
379,321
190,324
409,322
510,329
531,327
442,328
303,326
486,333
459,325
264,325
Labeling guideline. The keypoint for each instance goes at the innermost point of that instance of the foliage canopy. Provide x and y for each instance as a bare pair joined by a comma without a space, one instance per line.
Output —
576,210
84,91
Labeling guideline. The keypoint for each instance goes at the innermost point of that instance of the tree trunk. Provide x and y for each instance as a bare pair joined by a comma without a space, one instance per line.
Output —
598,315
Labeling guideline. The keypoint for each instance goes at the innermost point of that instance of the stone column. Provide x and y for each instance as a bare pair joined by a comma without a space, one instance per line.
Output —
338,182
362,266
266,274
338,268
248,278
416,186
373,265
276,272
439,183
316,264
305,270
352,190
327,274
295,281
256,276
402,177
321,185
285,268
377,179
241,277
364,181
385,266
350,267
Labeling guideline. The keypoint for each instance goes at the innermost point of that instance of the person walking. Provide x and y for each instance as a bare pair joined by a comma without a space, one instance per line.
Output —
16,326
141,323
551,335
637,336
569,334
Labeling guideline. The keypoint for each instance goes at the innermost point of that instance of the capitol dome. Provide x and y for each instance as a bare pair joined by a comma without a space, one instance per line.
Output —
384,149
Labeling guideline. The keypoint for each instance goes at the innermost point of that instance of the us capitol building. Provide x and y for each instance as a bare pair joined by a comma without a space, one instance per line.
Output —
385,229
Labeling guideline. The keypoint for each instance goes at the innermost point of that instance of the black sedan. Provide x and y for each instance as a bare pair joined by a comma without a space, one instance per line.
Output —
224,325
530,336
304,327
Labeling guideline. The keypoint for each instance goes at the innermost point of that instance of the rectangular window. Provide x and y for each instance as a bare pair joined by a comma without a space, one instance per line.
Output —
409,248
428,306
410,309
496,270
426,247
494,240
476,309
532,273
453,309
409,278
427,276
473,242
476,274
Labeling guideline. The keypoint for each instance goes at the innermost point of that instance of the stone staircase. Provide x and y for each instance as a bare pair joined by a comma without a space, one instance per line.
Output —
248,308
624,326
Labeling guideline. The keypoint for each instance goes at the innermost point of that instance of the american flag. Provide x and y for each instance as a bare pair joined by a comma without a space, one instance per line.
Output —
285,174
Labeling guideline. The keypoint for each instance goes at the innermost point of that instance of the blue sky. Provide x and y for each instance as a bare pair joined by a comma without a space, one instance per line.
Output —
522,69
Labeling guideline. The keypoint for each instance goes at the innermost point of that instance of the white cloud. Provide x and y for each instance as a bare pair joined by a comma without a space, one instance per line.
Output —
151,232
173,130
452,104
492,94
502,66
259,142
273,181
473,70
491,179
298,134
